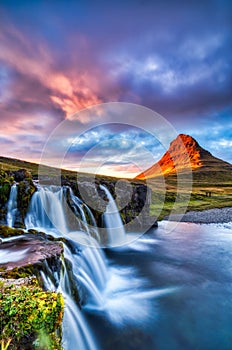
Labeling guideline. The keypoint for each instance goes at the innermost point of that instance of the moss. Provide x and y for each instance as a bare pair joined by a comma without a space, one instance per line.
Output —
22,272
30,317
5,184
6,232
26,189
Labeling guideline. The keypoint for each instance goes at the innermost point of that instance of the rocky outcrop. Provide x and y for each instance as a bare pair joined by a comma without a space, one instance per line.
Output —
28,255
133,200
26,188
5,185
21,174
30,315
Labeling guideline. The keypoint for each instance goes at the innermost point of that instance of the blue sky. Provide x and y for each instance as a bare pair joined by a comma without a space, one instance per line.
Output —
59,57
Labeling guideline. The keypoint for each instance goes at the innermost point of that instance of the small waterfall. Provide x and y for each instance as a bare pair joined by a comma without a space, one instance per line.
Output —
12,206
113,222
49,210
90,272
80,210
76,333
46,210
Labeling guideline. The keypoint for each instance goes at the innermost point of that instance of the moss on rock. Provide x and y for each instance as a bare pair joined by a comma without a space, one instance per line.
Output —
26,189
6,232
5,185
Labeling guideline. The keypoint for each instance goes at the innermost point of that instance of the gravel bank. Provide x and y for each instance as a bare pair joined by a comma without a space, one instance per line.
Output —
206,216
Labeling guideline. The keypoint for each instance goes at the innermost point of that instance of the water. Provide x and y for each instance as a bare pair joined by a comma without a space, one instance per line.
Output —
82,210
113,222
191,267
12,206
170,289
46,210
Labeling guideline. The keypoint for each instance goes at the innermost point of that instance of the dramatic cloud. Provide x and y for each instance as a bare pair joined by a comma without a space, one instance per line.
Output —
171,56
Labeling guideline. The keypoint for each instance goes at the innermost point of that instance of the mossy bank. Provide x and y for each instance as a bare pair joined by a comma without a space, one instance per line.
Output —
31,317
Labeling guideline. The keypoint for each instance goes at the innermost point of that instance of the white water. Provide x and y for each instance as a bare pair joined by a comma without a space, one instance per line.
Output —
110,291
12,256
79,207
46,210
12,206
113,222
76,333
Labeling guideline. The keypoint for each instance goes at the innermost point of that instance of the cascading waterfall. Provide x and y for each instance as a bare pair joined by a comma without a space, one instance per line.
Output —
113,222
46,213
91,272
101,288
12,206
80,209
46,210
76,333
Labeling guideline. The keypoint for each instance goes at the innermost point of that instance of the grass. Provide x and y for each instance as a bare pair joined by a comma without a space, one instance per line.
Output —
164,192
12,164
165,203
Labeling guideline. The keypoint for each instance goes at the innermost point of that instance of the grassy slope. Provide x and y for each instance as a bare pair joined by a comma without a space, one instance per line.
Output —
219,182
11,164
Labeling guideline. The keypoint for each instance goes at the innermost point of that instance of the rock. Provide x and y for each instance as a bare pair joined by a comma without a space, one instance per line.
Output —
26,281
22,174
26,256
26,189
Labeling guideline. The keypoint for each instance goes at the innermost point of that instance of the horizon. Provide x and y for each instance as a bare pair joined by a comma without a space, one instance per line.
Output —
171,57
99,174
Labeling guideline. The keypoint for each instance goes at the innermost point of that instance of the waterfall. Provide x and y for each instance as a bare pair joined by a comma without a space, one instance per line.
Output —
113,222
46,210
90,272
81,209
12,206
76,333
49,210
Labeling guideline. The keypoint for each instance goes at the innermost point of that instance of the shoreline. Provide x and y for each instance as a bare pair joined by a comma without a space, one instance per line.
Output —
209,216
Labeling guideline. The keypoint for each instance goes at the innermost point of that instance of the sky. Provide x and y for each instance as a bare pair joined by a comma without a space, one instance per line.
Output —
59,57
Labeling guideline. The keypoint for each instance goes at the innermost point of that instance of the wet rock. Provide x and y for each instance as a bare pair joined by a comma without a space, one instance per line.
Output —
26,189
28,255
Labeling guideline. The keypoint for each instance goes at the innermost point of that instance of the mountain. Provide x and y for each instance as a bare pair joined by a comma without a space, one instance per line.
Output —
185,154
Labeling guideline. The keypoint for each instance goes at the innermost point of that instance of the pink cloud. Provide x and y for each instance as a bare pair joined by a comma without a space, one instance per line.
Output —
67,90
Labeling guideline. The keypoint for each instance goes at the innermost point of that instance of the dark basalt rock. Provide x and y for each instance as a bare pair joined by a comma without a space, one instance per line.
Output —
133,200
26,189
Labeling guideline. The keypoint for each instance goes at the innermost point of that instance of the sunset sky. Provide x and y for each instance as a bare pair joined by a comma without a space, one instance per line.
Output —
57,57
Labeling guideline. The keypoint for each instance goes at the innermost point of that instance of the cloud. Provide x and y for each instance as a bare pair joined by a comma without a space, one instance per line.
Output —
171,56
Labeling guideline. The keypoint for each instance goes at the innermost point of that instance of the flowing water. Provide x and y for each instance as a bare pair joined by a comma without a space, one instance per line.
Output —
12,206
113,222
169,290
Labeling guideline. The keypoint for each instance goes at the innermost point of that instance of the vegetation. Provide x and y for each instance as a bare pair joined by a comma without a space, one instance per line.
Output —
30,318
6,232
26,189
203,195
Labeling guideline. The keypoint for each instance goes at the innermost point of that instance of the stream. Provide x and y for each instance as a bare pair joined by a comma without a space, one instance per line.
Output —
171,289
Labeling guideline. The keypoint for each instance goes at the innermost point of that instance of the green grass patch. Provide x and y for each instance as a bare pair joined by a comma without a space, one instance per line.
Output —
165,203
